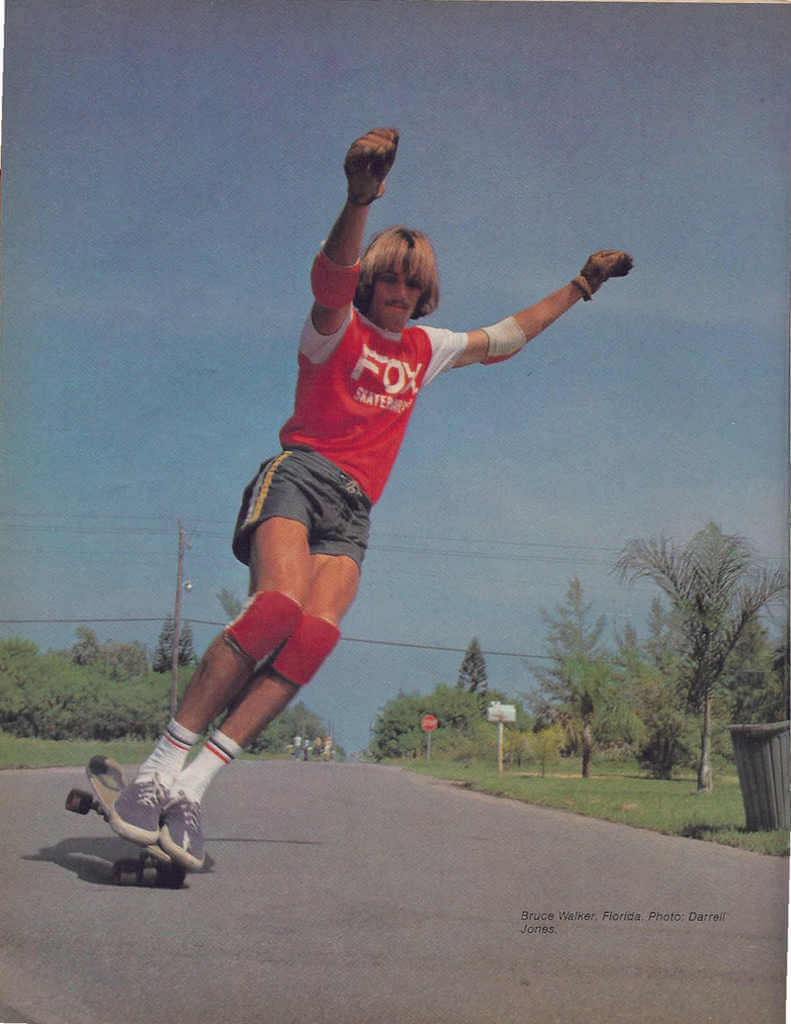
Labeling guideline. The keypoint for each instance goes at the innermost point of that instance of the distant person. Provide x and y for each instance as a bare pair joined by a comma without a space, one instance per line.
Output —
303,523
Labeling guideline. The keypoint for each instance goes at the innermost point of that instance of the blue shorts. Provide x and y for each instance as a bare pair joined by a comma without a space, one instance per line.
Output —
303,485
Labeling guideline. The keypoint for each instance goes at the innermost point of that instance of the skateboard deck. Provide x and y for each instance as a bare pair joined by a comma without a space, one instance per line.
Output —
153,866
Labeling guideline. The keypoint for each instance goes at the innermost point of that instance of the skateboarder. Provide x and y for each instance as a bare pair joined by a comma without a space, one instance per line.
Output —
303,524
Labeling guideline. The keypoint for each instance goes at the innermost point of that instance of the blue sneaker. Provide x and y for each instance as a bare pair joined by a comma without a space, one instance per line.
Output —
181,834
137,810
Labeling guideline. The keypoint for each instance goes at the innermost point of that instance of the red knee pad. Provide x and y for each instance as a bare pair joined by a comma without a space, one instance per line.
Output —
267,620
304,651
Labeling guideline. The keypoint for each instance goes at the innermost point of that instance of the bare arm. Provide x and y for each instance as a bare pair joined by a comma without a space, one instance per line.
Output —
367,164
343,247
531,321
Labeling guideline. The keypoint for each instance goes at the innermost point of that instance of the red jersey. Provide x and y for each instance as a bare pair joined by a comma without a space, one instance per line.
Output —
356,390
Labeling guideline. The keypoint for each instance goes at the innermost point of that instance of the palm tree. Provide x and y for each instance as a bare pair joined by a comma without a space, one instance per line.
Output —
717,589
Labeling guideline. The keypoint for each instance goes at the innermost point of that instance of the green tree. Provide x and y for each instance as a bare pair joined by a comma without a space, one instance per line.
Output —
754,682
472,674
53,697
581,680
517,744
570,631
547,744
716,590
124,661
86,650
20,679
652,687
163,654
593,696
295,720
397,732
780,666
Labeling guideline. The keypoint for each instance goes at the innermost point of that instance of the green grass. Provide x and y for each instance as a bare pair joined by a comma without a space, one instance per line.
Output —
623,794
33,753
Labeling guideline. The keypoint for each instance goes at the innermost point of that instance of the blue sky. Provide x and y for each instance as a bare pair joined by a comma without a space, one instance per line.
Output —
168,172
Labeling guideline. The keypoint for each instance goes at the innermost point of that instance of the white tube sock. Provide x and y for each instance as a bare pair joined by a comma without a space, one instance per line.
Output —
170,754
219,751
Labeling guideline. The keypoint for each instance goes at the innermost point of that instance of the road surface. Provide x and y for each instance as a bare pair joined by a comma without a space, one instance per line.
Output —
357,893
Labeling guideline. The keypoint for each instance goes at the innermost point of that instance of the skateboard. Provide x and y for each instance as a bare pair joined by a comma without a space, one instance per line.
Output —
153,866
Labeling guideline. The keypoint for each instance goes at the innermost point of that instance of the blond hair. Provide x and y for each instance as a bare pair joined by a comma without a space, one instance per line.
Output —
399,248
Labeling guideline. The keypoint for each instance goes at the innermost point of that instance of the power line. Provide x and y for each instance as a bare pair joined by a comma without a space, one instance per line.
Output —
421,546
347,639
21,622
453,650
444,553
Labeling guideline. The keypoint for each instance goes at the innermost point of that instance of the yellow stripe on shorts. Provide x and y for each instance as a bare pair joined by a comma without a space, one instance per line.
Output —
266,483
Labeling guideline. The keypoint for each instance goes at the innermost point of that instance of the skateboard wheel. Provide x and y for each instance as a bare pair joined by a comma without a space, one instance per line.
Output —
173,875
97,764
126,872
79,801
149,874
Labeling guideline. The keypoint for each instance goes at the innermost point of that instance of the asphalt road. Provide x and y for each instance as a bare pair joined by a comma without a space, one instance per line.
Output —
353,894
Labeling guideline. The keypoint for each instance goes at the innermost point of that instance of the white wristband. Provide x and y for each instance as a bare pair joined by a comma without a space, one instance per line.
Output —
505,338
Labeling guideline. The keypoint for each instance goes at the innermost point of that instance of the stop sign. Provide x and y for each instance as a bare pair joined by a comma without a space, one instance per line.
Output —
429,723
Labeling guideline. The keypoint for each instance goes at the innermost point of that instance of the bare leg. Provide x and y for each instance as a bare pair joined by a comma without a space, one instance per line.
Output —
328,587
263,700
219,677
332,590
281,561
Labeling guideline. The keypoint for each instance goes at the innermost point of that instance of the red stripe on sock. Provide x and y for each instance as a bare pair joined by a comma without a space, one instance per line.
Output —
176,743
225,758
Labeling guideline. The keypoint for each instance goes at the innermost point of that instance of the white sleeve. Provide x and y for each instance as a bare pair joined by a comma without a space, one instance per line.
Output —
446,346
319,347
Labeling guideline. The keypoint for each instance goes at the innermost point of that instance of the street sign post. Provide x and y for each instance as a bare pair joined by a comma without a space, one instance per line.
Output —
500,713
428,723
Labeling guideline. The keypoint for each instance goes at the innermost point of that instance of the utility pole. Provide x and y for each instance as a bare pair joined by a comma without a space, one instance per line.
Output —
174,660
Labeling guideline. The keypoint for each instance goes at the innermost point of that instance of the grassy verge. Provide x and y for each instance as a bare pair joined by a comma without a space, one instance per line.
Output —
33,753
624,795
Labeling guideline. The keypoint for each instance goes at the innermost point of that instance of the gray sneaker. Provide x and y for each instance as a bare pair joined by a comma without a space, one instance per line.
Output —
181,835
137,809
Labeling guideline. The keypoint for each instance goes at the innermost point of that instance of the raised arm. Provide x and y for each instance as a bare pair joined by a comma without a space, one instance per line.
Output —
504,339
336,268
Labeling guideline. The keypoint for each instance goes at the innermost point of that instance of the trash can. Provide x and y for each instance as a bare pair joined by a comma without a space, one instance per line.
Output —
762,760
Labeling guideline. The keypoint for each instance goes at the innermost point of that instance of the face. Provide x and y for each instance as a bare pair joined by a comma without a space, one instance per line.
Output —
394,298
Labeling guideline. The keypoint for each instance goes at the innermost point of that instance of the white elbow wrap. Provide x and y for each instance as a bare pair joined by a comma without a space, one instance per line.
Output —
506,338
